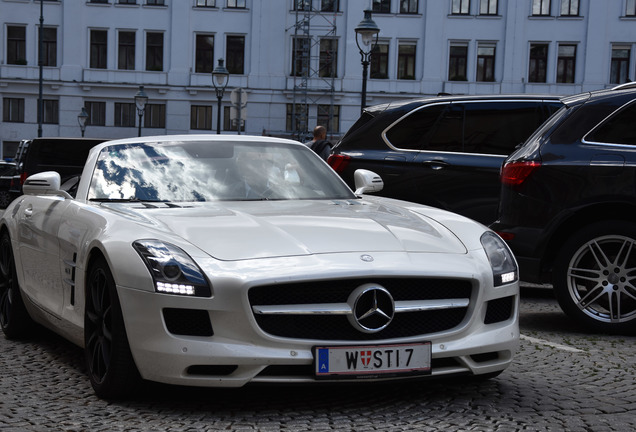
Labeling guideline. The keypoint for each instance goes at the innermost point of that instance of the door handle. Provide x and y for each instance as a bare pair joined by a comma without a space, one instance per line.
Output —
28,212
436,164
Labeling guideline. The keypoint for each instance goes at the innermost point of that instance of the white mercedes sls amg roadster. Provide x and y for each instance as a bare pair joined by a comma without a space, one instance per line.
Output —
210,260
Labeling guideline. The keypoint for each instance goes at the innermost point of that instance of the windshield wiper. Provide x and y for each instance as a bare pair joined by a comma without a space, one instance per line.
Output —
146,203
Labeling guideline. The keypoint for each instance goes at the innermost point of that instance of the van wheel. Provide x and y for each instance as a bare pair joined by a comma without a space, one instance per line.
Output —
111,368
595,277
14,318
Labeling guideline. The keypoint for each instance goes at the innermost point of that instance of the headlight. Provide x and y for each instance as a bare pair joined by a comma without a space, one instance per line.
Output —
504,266
173,271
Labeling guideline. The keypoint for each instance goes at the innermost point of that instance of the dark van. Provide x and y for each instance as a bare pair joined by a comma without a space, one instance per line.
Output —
67,156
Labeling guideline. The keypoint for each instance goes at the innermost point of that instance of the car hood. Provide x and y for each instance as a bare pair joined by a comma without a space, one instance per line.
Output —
248,230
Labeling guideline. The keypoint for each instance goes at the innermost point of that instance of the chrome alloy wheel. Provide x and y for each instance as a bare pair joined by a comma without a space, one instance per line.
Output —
601,279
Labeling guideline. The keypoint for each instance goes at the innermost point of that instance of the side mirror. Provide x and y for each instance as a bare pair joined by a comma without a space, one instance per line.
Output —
44,183
367,182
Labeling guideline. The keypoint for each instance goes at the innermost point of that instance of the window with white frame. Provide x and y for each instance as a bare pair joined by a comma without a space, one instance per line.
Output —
488,7
328,62
460,7
13,110
538,65
408,6
541,7
457,62
204,53
486,62
49,46
126,50
125,114
381,6
379,67
236,4
569,7
201,117
406,61
566,63
619,68
16,45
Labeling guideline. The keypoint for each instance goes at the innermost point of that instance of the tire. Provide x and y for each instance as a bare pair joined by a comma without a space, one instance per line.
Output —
594,278
14,318
109,362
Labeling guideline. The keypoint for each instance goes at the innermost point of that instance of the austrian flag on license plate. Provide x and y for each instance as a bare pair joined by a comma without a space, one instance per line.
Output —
361,361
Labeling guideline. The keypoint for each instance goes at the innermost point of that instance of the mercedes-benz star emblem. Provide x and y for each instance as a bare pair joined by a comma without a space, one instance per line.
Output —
373,308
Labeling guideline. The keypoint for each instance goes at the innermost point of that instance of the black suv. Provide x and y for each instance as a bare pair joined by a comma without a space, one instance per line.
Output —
67,156
443,151
568,208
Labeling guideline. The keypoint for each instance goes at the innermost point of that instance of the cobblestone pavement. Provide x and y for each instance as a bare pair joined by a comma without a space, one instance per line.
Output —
561,379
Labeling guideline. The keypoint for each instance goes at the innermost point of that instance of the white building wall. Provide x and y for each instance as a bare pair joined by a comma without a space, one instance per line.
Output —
268,26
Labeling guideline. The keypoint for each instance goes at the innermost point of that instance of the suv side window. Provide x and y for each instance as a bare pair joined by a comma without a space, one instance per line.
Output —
414,130
448,136
492,128
497,128
619,129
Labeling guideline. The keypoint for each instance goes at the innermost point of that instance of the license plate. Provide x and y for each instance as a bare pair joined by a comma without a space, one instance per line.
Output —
372,360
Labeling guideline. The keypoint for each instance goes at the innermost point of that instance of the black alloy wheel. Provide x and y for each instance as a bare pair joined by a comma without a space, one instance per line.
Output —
14,318
111,368
595,277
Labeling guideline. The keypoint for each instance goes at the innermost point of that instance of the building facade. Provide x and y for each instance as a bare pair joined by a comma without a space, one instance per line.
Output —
296,60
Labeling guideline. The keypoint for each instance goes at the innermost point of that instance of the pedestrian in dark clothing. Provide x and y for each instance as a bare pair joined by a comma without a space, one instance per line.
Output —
319,144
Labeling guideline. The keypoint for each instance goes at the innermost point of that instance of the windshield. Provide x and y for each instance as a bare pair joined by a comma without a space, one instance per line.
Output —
212,171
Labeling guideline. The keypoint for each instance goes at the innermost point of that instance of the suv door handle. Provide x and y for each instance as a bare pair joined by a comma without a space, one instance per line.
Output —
28,212
436,164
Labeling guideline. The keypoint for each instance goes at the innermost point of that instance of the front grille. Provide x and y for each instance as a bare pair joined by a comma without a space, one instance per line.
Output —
337,326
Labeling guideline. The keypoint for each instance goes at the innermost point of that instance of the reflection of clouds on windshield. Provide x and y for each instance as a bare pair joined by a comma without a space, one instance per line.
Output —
168,174
207,171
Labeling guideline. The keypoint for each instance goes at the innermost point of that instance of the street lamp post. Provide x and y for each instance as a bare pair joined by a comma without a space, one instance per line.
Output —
82,118
220,77
367,33
141,99
40,67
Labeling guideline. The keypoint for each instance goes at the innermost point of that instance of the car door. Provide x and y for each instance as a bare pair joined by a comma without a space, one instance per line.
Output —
460,161
38,224
399,164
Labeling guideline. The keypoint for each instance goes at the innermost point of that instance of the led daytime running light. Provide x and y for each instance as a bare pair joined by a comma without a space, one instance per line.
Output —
175,288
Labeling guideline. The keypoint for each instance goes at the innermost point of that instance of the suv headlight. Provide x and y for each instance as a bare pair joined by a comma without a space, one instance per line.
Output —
502,262
172,270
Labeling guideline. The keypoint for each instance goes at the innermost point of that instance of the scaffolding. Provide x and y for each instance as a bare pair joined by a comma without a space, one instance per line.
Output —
314,61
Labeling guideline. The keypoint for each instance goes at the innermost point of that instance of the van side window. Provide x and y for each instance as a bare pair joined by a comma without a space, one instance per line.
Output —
414,130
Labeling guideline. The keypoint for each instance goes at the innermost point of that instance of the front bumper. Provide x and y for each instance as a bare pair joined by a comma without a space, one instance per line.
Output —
239,351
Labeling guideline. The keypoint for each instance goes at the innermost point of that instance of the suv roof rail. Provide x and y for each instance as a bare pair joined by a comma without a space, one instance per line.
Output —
624,86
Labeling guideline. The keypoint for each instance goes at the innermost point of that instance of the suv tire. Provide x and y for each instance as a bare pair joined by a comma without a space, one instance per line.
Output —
594,274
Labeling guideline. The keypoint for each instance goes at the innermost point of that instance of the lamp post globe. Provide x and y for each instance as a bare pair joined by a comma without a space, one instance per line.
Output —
82,118
367,33
220,77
